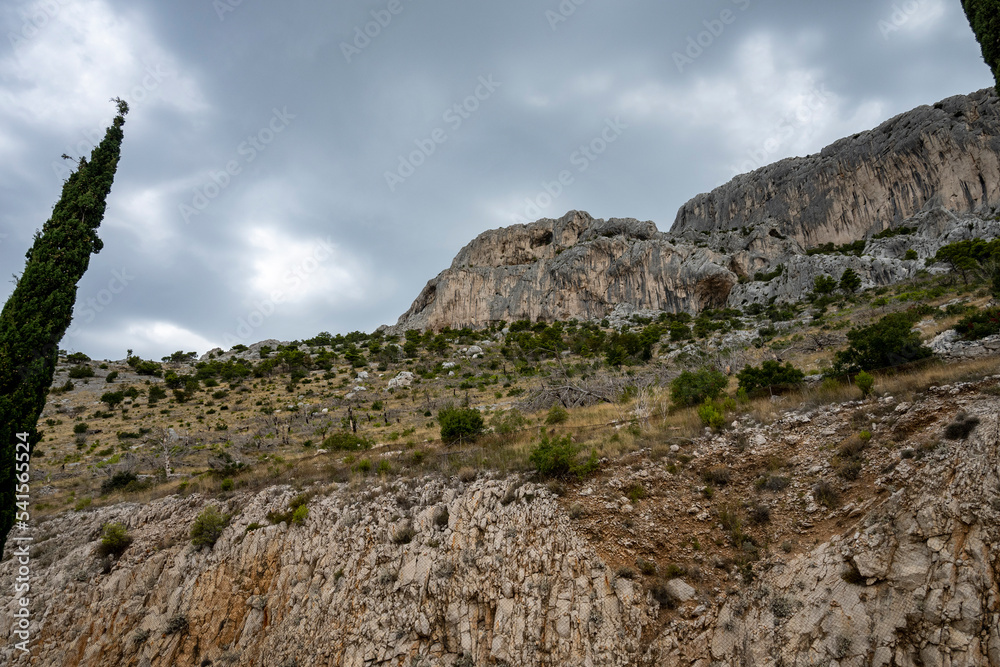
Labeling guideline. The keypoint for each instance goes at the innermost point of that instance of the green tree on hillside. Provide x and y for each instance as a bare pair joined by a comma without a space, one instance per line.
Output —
889,342
40,308
984,17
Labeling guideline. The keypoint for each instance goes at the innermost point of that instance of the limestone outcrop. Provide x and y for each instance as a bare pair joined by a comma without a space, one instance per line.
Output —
936,168
573,267
945,155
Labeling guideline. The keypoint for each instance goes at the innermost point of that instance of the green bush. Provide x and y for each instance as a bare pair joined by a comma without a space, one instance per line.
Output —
508,422
557,415
114,540
850,281
865,382
123,480
111,377
559,457
299,515
81,428
911,254
888,342
347,442
112,398
979,324
692,388
81,371
208,526
711,415
769,374
460,424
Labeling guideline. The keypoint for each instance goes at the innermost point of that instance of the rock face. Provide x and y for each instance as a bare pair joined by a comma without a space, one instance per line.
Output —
933,168
493,572
573,267
947,155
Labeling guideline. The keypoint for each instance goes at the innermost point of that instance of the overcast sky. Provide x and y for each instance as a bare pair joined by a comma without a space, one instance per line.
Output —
304,166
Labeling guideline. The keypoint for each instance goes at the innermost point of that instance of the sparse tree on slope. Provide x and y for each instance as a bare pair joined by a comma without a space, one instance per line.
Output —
984,17
40,309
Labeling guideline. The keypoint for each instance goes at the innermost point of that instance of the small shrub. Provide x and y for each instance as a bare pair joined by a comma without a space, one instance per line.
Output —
625,572
226,485
760,514
962,427
717,475
636,492
558,457
849,469
114,540
711,415
693,388
176,625
557,414
383,468
460,424
81,428
663,597
865,383
441,517
648,568
80,372
111,377
345,442
826,495
404,534
208,526
772,483
506,423
120,481
300,514
979,324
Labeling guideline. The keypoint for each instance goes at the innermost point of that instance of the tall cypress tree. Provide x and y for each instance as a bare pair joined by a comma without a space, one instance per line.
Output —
984,17
40,309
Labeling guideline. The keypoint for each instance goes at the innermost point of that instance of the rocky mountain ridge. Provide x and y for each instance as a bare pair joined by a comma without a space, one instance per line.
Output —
936,169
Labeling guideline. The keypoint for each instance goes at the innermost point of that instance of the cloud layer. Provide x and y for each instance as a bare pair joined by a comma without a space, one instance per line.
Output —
289,169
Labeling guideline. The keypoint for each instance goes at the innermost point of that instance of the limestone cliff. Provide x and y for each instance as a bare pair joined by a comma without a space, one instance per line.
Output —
947,155
573,267
943,159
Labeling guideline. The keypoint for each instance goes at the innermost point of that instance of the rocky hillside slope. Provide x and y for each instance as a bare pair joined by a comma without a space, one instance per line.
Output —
899,567
935,169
